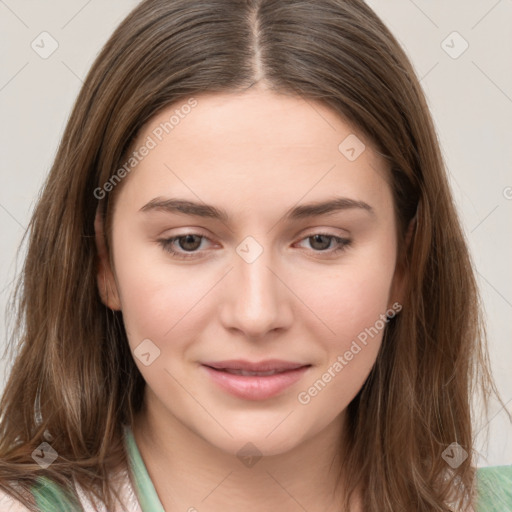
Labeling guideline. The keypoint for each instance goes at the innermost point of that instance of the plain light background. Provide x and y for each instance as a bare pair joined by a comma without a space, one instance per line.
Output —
461,50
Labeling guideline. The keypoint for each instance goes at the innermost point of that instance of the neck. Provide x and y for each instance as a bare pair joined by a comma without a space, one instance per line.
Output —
191,474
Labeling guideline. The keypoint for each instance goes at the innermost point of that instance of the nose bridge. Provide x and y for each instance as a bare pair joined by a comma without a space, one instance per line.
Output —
257,300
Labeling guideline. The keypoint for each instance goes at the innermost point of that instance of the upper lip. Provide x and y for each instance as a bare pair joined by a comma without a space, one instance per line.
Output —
261,366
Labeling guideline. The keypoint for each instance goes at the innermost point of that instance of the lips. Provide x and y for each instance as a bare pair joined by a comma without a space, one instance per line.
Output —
242,367
255,380
249,374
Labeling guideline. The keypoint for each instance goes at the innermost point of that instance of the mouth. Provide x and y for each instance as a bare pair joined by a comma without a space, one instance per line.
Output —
248,373
269,365
255,381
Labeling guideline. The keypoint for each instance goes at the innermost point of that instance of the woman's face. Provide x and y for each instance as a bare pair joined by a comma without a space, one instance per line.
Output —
264,273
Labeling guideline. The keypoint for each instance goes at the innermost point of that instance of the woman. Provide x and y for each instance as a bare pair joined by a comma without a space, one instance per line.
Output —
259,368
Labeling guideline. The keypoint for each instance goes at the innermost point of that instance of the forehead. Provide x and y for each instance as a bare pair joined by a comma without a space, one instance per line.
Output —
258,145
255,121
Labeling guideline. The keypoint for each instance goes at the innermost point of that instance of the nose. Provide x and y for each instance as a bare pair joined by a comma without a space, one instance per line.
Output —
257,300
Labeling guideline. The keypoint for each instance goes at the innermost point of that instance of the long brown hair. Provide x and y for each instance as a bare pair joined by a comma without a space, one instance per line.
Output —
74,377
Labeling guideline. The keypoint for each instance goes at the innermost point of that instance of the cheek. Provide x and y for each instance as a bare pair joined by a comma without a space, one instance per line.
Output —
352,301
155,294
160,302
356,315
353,296
160,306
353,306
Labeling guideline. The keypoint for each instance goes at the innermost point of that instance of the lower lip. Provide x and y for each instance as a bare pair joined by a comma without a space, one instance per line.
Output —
255,387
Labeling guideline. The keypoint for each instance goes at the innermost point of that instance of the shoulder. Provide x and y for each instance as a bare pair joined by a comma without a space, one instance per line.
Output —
10,504
47,496
494,487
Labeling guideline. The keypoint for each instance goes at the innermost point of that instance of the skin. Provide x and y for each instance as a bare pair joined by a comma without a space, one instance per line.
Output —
256,155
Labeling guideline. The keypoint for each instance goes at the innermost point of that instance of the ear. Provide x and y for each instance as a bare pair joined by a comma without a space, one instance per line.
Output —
106,282
399,284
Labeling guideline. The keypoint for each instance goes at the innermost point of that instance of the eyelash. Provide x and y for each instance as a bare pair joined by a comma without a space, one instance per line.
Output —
166,243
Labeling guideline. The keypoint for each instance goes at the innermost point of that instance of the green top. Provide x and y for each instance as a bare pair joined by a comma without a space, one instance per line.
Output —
494,487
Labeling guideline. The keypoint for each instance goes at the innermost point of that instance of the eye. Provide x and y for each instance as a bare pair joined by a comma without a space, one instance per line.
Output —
189,244
322,241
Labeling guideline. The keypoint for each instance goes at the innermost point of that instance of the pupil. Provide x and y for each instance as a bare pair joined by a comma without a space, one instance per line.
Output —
319,237
188,239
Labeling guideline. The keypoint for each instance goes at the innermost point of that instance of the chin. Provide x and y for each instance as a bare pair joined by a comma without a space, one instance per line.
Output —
256,443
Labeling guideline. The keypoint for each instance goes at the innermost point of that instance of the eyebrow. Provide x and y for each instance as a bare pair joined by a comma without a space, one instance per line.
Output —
173,205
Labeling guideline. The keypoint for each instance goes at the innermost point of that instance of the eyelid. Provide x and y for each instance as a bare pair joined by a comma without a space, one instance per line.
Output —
325,231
